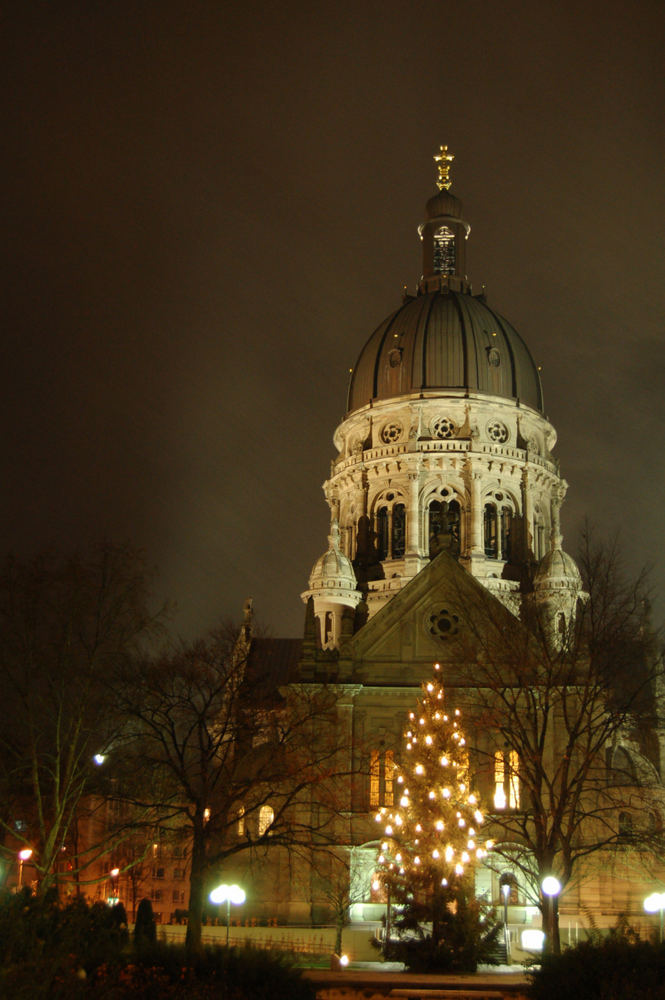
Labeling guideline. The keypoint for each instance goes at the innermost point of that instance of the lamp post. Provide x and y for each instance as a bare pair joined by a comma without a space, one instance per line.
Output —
228,894
505,892
23,856
114,899
551,887
655,903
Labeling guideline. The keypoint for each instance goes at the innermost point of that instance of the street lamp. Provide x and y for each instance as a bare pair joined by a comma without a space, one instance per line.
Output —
551,888
228,894
23,856
113,900
655,903
377,885
505,892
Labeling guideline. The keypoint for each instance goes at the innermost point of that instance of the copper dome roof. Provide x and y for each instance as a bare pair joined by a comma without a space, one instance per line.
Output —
445,340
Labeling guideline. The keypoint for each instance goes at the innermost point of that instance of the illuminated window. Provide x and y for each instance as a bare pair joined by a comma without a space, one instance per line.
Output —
241,821
381,777
266,817
506,780
388,778
374,778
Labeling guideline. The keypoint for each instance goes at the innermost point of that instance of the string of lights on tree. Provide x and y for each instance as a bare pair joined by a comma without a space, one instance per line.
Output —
432,832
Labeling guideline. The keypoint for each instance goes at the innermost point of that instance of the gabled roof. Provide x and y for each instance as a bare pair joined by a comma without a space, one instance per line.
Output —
437,617
274,661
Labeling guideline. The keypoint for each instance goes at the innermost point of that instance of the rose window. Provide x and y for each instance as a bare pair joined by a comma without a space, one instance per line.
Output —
497,432
443,427
391,433
442,624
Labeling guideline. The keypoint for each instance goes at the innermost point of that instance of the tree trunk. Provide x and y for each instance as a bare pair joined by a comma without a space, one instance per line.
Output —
196,892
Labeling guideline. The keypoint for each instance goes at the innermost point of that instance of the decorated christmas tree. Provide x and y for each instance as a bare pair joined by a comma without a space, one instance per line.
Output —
431,835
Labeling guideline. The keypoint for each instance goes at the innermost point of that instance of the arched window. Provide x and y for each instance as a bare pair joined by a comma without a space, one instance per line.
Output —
399,531
625,826
381,778
538,534
241,821
445,518
497,527
506,780
390,528
489,531
444,251
266,817
506,523
382,533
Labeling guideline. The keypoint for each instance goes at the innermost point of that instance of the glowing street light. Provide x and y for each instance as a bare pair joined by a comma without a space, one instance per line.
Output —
113,899
505,892
23,856
228,894
551,885
551,888
655,903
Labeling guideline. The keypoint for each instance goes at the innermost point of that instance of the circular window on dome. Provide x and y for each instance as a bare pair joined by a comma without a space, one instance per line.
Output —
391,432
497,432
443,428
493,357
442,624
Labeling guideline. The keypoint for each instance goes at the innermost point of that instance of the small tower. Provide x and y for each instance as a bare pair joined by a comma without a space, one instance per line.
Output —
557,587
333,587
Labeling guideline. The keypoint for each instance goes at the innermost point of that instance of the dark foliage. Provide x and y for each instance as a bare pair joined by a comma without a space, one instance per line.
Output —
44,945
166,971
77,952
615,969
145,929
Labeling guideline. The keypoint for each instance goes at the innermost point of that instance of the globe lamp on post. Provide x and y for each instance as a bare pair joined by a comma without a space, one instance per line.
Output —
113,899
655,903
551,887
505,892
228,894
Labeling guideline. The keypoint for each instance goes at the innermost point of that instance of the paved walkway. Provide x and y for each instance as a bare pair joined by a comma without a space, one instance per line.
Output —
383,979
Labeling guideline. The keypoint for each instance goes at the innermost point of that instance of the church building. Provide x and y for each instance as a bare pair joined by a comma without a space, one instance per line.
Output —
445,496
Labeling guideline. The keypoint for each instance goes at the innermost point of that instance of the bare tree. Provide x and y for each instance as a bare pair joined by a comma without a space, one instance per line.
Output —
555,699
65,624
238,758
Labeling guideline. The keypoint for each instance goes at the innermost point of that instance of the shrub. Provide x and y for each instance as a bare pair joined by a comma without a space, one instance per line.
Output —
47,948
145,929
616,967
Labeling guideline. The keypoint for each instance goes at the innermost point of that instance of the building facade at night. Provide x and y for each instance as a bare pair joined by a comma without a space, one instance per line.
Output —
445,504
445,498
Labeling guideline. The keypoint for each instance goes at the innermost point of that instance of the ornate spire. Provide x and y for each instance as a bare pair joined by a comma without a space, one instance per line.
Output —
443,160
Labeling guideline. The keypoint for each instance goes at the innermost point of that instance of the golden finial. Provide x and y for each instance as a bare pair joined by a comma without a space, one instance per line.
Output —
443,159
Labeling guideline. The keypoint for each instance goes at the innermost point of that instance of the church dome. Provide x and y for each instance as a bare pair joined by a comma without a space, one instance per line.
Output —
444,204
445,340
333,571
557,570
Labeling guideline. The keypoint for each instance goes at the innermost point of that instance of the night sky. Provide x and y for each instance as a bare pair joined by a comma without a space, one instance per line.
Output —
208,208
